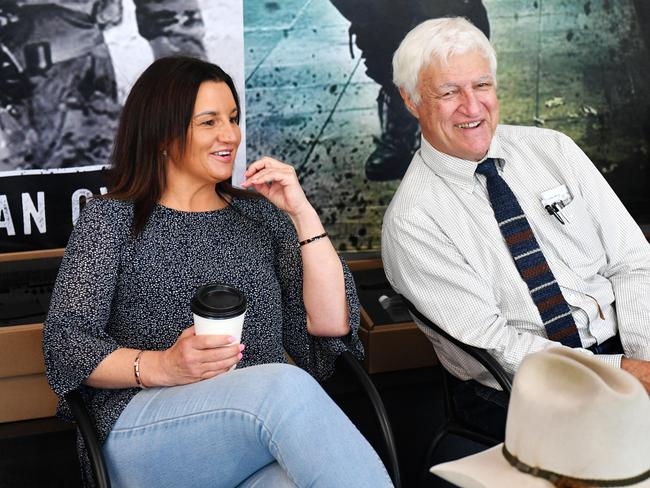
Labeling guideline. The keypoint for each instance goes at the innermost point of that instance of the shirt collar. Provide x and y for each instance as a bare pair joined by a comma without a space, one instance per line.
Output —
456,170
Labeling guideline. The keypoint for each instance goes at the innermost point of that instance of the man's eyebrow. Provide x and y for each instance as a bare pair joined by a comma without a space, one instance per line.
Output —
447,85
452,84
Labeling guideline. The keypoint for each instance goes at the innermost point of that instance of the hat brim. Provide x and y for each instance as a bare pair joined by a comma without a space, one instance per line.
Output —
489,469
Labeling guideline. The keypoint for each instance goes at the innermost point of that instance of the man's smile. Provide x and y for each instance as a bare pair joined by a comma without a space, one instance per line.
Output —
469,125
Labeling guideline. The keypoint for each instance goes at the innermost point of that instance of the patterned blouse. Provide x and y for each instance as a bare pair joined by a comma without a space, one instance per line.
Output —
116,291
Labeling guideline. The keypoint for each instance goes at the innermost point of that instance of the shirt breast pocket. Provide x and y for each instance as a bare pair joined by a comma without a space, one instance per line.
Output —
579,245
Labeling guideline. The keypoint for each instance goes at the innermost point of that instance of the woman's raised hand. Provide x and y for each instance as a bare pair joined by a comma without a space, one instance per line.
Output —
197,357
278,182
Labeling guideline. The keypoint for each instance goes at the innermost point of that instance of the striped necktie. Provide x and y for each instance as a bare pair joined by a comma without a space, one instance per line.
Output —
528,257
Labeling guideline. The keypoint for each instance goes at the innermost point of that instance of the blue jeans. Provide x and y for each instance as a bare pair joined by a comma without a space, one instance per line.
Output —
482,407
262,426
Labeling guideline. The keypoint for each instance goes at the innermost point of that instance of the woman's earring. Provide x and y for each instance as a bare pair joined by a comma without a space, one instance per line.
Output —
164,153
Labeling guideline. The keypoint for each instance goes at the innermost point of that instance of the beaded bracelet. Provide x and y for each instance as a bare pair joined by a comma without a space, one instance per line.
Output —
312,239
136,370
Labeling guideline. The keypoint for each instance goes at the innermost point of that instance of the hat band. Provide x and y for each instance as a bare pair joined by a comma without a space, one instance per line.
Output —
561,480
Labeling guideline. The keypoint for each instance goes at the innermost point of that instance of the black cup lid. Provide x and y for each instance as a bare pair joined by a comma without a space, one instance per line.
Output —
218,301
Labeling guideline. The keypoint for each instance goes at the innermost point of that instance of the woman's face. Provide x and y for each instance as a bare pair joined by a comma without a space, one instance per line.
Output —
213,135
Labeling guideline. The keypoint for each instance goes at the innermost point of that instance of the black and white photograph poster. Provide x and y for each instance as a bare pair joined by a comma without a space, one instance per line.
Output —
65,70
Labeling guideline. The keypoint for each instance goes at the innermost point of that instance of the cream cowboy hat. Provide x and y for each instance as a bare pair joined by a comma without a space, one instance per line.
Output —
571,419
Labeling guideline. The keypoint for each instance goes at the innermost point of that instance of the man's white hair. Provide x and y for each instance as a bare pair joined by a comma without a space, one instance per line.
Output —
437,40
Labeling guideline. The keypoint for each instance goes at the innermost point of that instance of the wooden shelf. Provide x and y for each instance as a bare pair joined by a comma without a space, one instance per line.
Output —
25,255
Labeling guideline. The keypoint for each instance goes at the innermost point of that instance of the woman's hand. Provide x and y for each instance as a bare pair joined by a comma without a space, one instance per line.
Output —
193,358
279,183
323,282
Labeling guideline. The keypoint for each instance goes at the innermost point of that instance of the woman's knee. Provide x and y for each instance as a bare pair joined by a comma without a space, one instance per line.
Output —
292,384
270,475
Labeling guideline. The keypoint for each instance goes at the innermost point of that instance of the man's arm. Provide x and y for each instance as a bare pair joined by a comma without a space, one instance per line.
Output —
627,251
427,268
639,369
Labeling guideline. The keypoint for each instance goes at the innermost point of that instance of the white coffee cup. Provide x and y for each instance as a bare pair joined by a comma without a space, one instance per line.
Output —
218,309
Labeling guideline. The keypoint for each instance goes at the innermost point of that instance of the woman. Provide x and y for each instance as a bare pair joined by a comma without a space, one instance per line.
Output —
120,325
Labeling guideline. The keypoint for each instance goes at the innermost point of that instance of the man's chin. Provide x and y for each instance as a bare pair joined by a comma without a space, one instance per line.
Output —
472,155
476,152
470,148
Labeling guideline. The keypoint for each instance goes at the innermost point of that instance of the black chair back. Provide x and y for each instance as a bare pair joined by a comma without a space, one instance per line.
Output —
481,355
453,424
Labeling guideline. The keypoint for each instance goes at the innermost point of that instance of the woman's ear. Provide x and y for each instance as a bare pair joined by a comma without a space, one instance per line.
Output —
410,106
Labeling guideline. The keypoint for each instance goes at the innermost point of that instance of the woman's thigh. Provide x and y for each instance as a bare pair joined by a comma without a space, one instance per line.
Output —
220,431
203,434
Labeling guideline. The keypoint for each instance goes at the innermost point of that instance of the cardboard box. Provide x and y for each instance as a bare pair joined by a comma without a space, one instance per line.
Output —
21,350
389,346
24,392
26,397
396,347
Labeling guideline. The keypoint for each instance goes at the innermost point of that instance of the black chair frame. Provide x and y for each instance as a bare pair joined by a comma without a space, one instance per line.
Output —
381,414
89,435
453,424
96,457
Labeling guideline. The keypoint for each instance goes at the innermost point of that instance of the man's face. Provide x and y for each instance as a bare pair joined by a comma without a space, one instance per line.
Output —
458,110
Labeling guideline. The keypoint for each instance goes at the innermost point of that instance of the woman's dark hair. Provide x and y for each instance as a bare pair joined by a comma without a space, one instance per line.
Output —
154,120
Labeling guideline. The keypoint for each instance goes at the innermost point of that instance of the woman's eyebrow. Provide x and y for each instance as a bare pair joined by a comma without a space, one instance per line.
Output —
213,113
207,112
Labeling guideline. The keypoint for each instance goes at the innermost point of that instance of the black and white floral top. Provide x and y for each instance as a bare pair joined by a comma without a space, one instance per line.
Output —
116,291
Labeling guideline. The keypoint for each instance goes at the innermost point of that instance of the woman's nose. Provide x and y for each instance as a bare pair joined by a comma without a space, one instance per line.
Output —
229,132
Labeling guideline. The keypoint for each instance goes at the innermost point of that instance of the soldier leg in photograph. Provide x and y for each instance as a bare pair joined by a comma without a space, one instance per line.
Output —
67,111
378,27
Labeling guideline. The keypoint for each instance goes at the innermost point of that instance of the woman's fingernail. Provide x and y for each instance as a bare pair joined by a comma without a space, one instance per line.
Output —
240,355
241,347
231,339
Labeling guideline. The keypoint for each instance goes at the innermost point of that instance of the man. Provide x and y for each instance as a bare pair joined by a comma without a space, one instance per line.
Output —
378,27
529,244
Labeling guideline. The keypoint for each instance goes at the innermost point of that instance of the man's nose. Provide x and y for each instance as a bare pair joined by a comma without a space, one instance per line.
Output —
471,104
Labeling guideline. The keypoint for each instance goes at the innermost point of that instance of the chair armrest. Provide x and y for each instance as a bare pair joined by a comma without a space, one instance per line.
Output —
89,435
380,412
481,355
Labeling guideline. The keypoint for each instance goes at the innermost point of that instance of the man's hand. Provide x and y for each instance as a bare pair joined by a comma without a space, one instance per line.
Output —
639,369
